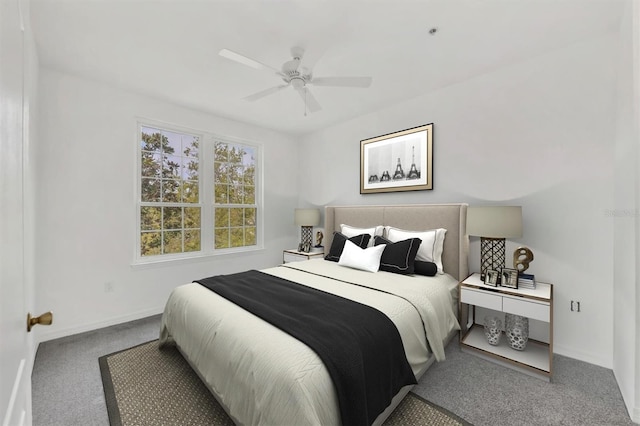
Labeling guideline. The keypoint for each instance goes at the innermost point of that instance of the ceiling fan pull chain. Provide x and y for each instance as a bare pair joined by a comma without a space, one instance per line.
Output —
305,101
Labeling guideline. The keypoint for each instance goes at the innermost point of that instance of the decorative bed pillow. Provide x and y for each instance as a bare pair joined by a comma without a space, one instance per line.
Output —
432,243
350,231
337,245
398,257
367,259
429,269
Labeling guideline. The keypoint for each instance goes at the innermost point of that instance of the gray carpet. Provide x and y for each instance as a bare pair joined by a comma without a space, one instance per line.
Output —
66,383
67,387
484,393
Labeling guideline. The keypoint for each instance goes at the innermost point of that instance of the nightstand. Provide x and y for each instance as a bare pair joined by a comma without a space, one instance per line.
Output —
297,256
536,304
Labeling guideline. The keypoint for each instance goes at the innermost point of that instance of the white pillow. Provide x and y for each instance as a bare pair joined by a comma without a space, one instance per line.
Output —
365,259
350,231
432,243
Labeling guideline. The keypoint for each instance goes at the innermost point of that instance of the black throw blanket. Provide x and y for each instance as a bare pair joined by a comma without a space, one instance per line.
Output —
359,345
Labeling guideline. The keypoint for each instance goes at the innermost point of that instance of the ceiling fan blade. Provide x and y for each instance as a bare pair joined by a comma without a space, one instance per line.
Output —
342,81
309,100
264,93
234,56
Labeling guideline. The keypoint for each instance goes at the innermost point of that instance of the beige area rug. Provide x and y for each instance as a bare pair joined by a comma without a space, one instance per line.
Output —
145,385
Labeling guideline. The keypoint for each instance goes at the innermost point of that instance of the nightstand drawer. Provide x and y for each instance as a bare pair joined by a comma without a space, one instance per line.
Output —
529,309
291,257
299,256
481,298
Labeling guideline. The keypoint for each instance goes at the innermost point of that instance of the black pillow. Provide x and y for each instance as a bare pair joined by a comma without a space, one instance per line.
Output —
398,257
337,245
429,269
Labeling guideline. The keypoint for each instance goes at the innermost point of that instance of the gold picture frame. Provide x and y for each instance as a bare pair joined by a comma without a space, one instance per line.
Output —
399,161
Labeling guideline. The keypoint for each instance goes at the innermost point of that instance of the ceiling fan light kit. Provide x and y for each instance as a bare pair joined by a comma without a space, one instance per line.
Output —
297,77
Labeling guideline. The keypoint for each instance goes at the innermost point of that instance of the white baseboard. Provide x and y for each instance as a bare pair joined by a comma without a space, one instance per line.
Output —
582,356
46,334
628,398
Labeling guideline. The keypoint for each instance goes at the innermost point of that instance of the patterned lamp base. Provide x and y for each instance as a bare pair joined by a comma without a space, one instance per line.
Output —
305,239
492,254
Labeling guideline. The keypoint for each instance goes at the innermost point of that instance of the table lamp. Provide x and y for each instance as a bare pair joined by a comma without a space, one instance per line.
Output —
493,224
307,219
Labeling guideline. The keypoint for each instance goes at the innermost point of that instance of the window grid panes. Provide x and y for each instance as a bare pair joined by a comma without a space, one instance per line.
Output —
197,194
170,211
234,197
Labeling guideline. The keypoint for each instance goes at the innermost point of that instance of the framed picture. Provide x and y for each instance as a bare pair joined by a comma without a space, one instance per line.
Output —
509,278
400,161
491,277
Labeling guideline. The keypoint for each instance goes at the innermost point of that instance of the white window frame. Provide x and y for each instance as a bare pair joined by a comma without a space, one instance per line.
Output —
205,191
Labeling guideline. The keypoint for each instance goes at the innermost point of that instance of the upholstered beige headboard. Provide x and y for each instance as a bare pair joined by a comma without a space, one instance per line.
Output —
417,217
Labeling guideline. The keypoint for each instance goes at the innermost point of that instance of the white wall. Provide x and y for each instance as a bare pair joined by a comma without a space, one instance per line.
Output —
537,134
626,363
85,214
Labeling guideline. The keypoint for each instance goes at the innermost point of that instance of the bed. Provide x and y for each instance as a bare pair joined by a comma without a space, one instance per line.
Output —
262,375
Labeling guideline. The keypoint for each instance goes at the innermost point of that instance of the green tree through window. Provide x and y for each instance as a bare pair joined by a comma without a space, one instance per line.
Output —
169,208
234,195
182,213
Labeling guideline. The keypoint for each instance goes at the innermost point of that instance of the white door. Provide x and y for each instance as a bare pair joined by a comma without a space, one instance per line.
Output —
15,358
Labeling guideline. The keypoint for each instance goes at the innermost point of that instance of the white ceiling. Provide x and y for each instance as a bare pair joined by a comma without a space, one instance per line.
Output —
169,49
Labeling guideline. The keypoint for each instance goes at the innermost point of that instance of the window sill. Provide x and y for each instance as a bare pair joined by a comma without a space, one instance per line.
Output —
182,259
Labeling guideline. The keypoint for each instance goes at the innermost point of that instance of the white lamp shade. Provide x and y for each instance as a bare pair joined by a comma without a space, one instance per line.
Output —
307,217
495,221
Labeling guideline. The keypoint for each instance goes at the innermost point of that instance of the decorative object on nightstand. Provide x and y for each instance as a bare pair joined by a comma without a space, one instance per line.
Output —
493,224
318,248
522,256
306,219
526,281
493,330
492,277
509,278
517,331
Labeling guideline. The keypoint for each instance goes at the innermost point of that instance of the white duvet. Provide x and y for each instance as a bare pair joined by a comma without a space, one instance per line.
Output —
261,375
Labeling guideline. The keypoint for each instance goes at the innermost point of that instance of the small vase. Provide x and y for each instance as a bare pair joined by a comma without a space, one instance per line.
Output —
492,330
517,331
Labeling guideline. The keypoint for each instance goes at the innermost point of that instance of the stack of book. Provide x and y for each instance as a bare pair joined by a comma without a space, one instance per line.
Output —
526,281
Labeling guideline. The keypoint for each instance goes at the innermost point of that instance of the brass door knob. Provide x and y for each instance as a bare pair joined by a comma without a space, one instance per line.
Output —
44,319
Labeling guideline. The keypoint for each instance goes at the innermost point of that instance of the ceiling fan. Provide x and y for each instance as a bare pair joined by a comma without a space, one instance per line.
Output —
295,76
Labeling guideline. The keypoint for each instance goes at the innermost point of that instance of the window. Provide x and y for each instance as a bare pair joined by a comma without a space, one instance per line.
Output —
198,194
235,205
